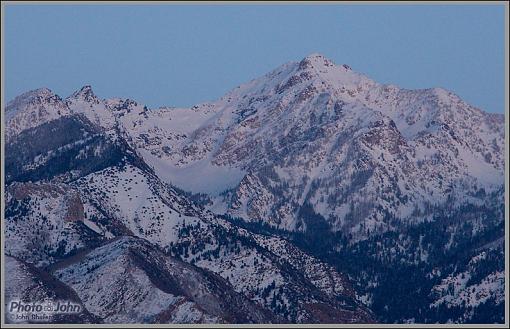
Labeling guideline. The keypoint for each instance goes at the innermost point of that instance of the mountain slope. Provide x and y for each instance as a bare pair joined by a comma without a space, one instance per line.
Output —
319,134
290,187
29,284
77,199
129,281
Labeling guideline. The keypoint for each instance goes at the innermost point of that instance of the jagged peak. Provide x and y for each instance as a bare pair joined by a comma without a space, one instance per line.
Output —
315,60
42,93
31,109
36,96
318,60
86,89
315,56
85,93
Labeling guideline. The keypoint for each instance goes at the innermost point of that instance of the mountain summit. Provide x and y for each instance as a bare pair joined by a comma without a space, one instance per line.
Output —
314,192
85,93
31,109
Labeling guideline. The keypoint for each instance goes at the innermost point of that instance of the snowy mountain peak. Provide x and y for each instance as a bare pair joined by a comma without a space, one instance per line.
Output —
85,93
404,180
96,110
40,95
38,92
335,78
319,63
31,109
315,60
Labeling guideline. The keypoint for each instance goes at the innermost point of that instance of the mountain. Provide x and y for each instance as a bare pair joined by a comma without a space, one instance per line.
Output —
128,280
319,134
66,198
32,109
313,191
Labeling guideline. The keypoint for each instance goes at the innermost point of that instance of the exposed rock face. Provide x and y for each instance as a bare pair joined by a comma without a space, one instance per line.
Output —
32,109
130,281
75,211
72,214
315,192
320,134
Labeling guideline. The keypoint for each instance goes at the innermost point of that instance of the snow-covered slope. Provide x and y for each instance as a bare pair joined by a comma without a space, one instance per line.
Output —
63,209
28,284
86,102
376,180
474,290
49,220
315,133
130,281
32,109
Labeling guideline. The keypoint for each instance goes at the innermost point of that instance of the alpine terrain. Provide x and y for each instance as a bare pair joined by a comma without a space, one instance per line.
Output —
312,194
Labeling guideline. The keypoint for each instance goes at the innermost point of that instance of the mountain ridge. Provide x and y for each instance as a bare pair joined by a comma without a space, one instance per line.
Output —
313,174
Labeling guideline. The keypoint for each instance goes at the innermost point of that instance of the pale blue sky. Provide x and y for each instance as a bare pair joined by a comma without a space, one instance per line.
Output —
182,55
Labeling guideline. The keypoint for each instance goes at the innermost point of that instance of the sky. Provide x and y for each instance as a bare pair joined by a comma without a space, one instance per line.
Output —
176,55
